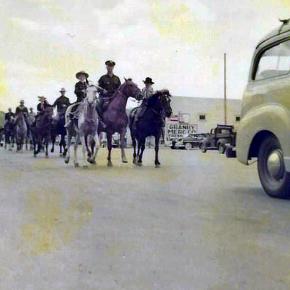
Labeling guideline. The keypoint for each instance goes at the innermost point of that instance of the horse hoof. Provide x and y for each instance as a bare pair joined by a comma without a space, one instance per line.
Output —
110,164
125,161
157,165
66,161
139,163
85,166
76,165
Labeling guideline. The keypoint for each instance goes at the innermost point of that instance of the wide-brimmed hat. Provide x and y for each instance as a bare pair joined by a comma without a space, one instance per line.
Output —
110,63
62,90
41,98
82,73
21,101
148,81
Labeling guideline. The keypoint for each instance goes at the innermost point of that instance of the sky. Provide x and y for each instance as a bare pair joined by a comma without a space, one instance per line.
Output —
179,43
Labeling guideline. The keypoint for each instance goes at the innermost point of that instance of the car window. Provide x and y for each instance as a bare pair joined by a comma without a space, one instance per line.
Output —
274,62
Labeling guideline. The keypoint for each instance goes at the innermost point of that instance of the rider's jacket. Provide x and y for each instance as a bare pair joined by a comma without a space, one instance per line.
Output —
61,103
110,84
42,106
22,109
9,115
80,88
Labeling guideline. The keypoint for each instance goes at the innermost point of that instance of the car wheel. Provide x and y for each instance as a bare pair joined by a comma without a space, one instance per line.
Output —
188,146
273,176
221,148
203,148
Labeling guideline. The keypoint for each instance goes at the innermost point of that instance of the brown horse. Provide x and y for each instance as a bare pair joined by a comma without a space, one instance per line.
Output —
115,116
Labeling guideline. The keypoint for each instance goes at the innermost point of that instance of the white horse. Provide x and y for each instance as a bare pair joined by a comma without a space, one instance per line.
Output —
85,129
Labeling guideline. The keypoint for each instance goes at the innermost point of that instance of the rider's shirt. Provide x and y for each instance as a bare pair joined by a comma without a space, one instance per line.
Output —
21,109
61,103
147,92
9,115
110,84
80,88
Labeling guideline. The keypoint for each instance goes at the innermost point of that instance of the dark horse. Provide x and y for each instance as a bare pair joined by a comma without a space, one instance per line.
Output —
115,116
150,124
9,134
59,129
41,131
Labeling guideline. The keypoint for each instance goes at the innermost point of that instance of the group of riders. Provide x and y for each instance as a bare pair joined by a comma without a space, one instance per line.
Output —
107,86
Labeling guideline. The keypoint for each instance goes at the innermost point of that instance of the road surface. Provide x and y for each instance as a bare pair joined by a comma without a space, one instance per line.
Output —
198,222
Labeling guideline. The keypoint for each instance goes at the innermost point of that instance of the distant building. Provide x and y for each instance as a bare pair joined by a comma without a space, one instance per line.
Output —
199,115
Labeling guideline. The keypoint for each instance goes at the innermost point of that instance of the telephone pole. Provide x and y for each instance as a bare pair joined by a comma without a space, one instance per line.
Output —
225,88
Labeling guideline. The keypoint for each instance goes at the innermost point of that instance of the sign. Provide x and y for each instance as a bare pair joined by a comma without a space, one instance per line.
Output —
176,130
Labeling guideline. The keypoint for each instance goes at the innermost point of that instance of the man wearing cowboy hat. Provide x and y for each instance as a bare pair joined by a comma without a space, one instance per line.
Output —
81,85
80,91
42,105
108,83
62,102
146,92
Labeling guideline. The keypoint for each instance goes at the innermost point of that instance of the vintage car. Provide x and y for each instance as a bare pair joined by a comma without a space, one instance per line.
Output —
189,142
218,138
264,129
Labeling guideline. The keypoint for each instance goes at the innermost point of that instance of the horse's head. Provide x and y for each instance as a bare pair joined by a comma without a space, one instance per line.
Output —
91,94
130,89
163,98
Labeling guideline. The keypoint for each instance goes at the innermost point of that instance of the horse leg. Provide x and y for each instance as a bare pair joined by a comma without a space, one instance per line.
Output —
77,139
109,145
46,147
53,137
84,141
141,148
134,147
122,141
64,145
157,163
97,144
68,149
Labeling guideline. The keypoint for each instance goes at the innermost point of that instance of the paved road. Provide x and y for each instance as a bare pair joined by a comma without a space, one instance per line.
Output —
199,222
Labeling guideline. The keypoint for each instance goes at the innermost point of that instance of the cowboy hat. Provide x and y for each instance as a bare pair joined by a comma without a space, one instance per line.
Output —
62,90
82,73
41,98
110,63
148,81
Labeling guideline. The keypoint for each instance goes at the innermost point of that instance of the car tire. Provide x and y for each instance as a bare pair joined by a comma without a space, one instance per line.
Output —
188,146
273,176
203,148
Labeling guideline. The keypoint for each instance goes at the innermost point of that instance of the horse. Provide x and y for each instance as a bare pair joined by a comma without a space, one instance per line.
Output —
20,131
115,116
9,133
59,129
41,131
150,124
85,130
30,121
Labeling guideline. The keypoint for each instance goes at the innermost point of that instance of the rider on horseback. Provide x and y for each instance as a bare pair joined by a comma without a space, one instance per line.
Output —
21,109
61,103
108,85
80,91
42,105
9,116
146,93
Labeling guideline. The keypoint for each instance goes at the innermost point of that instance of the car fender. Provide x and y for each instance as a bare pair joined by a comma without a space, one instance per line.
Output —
273,118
